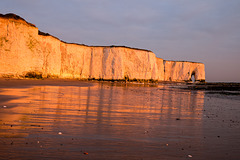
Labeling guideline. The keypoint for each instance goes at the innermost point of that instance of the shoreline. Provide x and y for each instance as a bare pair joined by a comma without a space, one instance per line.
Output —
191,85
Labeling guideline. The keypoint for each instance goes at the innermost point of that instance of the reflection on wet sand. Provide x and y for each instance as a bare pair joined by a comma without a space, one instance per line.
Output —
99,118
100,104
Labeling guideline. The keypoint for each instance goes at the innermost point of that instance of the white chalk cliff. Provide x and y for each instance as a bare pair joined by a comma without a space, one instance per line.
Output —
24,49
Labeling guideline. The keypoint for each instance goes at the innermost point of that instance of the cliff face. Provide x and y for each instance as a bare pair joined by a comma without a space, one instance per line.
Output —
24,50
183,71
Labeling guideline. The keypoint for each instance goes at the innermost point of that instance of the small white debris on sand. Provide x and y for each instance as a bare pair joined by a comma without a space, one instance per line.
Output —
190,156
59,132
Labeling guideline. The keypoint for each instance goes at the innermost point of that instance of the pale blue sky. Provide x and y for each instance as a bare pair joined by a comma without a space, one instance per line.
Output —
205,31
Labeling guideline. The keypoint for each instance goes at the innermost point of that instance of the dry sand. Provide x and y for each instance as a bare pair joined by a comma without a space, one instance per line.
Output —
66,119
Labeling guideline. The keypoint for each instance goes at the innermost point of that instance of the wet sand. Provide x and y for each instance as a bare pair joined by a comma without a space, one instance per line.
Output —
66,119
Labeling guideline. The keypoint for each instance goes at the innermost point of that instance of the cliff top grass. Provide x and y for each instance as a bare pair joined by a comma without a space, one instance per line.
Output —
181,61
15,17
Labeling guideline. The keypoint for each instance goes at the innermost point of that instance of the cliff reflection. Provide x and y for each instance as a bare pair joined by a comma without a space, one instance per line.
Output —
98,110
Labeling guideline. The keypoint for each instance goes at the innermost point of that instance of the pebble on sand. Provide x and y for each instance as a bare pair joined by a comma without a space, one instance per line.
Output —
190,156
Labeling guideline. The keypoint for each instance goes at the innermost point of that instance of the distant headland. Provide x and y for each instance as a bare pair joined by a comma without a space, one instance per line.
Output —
27,52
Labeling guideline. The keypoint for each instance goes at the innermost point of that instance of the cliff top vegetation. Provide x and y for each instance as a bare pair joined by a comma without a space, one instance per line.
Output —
16,17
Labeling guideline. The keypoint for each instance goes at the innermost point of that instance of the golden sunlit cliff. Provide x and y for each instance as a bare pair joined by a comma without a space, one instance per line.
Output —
24,51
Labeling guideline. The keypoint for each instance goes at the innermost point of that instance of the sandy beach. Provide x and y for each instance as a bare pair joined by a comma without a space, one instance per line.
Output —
70,119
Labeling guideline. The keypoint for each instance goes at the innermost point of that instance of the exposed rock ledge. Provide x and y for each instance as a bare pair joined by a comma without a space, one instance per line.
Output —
24,51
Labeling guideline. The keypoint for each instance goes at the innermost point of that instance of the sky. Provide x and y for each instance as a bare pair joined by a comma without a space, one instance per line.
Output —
206,31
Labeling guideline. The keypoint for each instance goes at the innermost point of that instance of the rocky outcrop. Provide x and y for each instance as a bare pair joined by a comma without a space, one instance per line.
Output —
24,50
